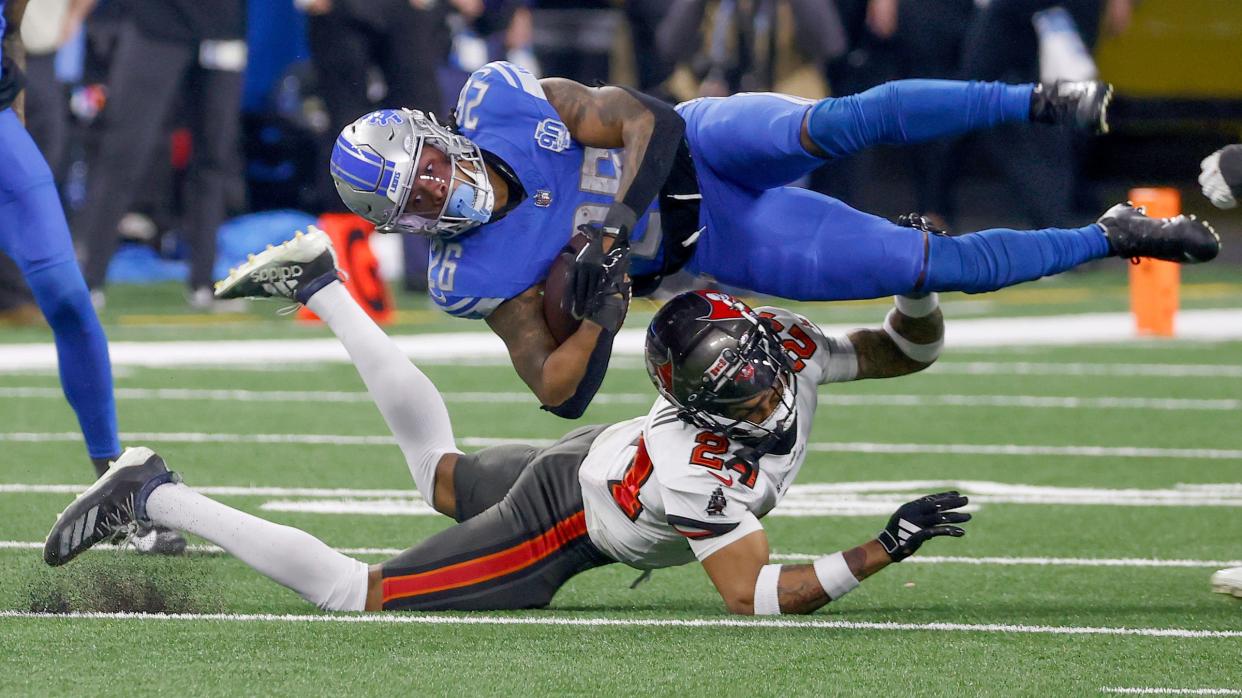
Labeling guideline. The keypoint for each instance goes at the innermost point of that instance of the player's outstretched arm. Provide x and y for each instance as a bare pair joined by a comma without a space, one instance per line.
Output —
909,341
552,372
751,586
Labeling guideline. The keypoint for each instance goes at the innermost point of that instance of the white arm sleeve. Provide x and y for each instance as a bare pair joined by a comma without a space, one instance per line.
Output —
842,363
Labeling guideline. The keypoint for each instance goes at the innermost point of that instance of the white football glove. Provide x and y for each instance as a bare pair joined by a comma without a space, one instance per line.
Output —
1216,187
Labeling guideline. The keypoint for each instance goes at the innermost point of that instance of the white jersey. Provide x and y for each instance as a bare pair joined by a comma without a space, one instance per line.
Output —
660,492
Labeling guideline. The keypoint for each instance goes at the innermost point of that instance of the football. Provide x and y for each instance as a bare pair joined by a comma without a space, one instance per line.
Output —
556,291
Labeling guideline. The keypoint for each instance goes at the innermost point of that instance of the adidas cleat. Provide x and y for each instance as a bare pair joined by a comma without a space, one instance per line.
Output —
306,261
1228,581
1185,239
115,504
1083,105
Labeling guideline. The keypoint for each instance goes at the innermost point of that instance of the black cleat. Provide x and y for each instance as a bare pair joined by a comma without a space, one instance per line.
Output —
1083,105
1183,239
115,504
283,270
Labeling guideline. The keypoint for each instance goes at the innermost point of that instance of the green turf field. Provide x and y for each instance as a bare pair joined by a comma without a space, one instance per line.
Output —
1132,475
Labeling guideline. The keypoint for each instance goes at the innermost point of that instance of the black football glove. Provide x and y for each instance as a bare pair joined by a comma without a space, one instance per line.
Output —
926,517
1221,176
598,284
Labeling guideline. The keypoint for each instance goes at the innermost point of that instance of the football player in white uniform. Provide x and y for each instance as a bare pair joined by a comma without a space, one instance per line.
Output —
689,480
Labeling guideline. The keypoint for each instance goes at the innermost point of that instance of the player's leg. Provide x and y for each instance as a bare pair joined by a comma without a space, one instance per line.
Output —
216,121
483,478
139,491
763,140
405,396
143,80
34,234
304,269
516,554
802,245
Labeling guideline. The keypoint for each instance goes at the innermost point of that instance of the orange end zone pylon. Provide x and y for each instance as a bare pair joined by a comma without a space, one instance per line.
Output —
1154,283
350,237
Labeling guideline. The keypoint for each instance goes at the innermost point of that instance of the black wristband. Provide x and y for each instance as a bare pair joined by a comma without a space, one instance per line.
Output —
621,219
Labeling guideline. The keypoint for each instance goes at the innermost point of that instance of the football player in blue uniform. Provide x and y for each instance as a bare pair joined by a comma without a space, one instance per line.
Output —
703,187
33,232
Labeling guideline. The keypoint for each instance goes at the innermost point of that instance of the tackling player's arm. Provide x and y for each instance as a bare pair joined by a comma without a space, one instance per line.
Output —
909,341
736,568
750,585
552,372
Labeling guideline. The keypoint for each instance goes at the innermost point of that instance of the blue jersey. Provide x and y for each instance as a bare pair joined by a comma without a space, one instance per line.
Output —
2,24
502,109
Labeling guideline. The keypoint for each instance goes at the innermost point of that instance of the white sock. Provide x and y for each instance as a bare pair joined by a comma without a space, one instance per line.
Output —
407,399
288,556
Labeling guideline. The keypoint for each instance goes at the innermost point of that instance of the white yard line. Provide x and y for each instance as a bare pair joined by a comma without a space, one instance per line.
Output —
543,620
1051,368
1058,330
1173,691
950,400
838,499
820,446
921,559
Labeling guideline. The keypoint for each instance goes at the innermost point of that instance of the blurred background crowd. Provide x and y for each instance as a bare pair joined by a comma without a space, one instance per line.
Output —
172,124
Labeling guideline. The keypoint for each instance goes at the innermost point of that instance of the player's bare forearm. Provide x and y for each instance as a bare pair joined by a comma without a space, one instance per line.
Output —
551,372
879,356
604,117
799,590
736,568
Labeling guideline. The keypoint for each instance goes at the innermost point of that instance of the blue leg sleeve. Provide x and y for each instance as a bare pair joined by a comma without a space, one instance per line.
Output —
912,111
992,259
82,350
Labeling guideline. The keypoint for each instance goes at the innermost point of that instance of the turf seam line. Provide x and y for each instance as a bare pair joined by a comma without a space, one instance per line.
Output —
1172,691
412,619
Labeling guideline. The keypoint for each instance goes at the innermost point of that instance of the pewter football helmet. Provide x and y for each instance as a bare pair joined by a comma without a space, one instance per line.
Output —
373,165
708,354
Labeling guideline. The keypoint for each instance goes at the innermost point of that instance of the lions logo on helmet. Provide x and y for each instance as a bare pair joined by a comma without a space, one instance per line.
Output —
373,164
